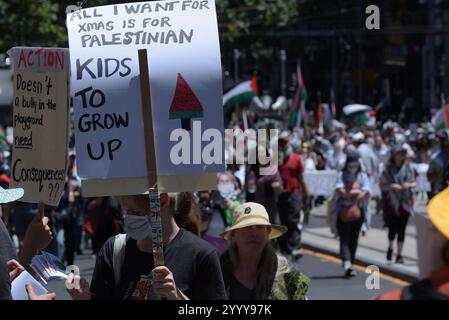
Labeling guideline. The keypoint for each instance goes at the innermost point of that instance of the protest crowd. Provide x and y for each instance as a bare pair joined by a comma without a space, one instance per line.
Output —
376,162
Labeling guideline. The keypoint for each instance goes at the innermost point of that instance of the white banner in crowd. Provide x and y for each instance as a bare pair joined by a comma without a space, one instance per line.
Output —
40,123
321,183
185,79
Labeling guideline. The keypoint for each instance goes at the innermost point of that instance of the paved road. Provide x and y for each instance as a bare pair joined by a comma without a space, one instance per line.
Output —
328,282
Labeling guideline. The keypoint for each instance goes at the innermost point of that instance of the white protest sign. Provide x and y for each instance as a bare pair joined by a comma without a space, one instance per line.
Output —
18,286
40,123
185,79
321,183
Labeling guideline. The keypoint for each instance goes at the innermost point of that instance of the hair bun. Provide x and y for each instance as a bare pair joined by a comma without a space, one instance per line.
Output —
183,203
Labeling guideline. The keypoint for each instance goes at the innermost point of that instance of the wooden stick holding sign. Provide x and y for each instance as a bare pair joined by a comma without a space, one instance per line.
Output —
41,210
154,196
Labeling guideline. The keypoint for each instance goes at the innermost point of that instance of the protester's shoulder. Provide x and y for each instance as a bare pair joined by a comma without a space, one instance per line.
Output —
192,242
290,283
285,267
410,167
436,155
362,175
107,249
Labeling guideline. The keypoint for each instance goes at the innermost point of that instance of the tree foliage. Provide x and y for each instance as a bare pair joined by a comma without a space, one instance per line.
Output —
29,23
243,24
249,25
246,17
35,22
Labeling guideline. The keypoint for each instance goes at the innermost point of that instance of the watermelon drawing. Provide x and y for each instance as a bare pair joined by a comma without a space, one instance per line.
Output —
185,105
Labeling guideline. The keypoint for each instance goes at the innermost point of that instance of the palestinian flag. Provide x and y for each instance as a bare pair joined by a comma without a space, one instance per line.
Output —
328,117
367,118
298,110
440,120
243,92
333,106
319,117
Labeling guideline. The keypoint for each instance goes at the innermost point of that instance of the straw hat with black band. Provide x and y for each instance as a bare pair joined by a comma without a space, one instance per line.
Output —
253,214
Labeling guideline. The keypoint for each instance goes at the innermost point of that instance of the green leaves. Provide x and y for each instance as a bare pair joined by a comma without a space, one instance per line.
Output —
35,23
30,23
250,24
245,17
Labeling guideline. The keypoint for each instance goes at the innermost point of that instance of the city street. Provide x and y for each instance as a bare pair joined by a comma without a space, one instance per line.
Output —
328,281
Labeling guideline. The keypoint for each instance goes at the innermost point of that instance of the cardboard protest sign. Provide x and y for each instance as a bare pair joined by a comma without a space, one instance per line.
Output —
185,78
38,59
40,122
321,183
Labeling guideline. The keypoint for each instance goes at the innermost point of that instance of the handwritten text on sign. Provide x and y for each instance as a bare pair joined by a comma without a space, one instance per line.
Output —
37,59
183,50
40,145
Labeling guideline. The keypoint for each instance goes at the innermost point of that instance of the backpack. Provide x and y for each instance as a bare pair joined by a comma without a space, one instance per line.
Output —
350,213
118,255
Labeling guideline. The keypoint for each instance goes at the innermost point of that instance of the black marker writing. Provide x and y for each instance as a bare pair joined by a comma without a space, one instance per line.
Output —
35,175
106,67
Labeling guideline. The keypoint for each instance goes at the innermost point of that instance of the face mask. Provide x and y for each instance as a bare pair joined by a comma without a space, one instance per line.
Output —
251,189
226,189
353,170
353,167
137,227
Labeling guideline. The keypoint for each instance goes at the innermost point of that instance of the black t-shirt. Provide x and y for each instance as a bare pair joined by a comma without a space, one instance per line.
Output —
194,263
5,286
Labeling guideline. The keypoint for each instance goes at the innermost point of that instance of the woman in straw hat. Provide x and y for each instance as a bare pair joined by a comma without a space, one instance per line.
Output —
251,268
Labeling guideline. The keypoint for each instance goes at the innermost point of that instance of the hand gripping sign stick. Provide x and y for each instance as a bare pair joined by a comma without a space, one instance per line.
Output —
154,196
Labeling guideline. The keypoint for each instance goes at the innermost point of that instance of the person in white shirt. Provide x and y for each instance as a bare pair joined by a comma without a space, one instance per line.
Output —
371,166
336,158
